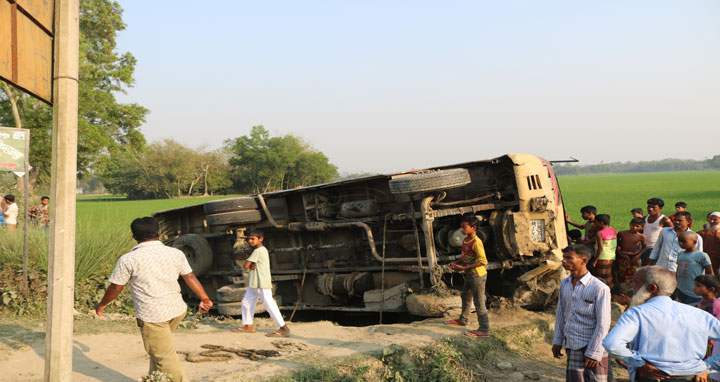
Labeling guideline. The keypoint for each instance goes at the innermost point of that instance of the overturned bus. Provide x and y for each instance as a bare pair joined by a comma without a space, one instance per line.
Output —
375,243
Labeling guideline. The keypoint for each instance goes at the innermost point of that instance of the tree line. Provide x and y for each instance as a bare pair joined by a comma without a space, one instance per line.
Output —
112,149
253,163
642,166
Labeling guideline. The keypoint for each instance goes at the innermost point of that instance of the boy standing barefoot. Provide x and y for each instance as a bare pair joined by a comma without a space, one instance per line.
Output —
654,223
259,286
691,263
473,263
631,245
606,239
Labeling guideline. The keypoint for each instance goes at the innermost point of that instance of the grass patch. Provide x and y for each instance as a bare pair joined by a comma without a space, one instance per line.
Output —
453,359
355,368
617,194
521,338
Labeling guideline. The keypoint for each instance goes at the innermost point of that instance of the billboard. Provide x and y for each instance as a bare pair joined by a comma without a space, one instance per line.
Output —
26,45
13,148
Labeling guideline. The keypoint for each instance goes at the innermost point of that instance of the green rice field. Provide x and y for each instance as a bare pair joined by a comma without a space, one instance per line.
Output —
613,194
617,194
115,210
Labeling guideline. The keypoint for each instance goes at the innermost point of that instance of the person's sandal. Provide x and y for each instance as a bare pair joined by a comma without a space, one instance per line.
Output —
243,330
477,334
278,333
455,323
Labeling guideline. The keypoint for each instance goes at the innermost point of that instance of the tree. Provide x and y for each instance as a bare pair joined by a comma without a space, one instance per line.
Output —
261,163
715,162
104,125
164,170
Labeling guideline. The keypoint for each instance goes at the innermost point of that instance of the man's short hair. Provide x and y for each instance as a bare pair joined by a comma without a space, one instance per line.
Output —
579,249
684,214
589,210
44,197
656,202
603,219
638,221
681,204
255,232
10,197
146,228
637,211
664,279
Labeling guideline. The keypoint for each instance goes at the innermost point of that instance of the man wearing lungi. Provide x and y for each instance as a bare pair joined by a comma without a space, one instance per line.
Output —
583,319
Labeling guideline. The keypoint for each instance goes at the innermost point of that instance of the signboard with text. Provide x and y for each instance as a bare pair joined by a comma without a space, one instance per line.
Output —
26,45
13,148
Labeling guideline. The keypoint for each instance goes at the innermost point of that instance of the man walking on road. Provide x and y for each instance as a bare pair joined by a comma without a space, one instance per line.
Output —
152,270
583,319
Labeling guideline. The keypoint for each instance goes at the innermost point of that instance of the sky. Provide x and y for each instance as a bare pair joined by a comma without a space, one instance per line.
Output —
389,86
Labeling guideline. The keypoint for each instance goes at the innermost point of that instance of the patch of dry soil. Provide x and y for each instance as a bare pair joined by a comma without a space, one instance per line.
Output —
118,357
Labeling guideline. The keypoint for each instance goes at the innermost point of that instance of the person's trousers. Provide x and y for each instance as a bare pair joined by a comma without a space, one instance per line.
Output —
645,257
474,292
249,302
577,372
159,344
603,271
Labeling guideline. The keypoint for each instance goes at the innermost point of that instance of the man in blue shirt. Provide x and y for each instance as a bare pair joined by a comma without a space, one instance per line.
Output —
667,248
667,339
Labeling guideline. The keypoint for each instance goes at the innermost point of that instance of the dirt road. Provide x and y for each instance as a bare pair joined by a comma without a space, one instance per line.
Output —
119,357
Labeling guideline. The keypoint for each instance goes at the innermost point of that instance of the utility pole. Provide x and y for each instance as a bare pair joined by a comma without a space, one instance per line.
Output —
61,277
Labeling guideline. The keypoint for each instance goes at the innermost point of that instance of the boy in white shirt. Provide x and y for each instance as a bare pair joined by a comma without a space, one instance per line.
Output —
259,286
10,212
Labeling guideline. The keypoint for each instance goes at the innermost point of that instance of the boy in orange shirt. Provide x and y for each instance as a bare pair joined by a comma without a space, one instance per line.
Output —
472,262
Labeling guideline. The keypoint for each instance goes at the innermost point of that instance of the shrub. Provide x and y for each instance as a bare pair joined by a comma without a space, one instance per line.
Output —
97,249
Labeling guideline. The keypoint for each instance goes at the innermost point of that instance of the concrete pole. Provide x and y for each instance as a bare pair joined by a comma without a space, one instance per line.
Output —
61,277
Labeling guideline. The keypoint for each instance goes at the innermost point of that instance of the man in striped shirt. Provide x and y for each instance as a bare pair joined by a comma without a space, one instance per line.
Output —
583,319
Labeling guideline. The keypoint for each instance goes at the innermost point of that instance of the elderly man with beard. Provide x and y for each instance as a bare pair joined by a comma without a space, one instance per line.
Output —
711,239
583,319
667,340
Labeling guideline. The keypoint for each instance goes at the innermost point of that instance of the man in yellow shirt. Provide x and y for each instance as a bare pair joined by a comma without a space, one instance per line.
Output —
472,262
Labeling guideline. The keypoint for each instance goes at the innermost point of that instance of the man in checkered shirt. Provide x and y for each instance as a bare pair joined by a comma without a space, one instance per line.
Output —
152,269
583,319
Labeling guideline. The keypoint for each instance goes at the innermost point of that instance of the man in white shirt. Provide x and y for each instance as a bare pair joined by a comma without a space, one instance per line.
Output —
152,269
10,212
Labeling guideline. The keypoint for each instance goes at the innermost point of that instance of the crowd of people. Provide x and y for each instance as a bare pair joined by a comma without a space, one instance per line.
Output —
663,275
9,211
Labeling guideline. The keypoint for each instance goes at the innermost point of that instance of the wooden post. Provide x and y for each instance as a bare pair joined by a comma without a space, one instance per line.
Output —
61,277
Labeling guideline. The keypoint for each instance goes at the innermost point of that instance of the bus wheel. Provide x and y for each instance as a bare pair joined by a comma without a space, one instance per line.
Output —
430,181
197,250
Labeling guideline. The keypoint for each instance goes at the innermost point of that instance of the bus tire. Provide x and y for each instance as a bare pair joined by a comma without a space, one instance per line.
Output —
197,250
236,217
230,205
430,181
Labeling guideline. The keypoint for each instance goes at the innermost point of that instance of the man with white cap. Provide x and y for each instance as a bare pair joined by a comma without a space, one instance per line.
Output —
711,239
